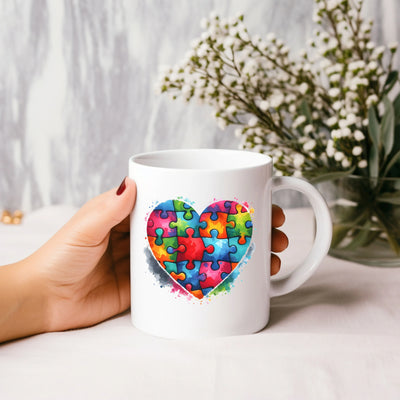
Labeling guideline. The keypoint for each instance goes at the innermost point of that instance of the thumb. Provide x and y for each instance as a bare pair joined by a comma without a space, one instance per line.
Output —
93,222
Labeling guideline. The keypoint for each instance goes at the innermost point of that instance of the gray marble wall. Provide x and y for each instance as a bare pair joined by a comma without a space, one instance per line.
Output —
77,82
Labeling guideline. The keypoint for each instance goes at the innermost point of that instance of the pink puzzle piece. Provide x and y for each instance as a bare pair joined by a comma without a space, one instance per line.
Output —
214,277
156,221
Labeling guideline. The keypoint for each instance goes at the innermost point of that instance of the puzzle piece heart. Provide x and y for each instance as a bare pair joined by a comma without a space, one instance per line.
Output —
199,251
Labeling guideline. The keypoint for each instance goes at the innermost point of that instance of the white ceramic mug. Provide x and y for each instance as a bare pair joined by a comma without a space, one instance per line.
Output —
200,242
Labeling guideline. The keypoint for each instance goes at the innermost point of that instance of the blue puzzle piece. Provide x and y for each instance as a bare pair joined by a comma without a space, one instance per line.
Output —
222,249
165,207
241,249
192,276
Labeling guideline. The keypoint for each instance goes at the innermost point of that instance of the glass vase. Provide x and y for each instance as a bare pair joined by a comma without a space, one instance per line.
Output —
366,219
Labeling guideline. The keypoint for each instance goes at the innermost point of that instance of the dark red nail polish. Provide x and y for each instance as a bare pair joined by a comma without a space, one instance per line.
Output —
121,188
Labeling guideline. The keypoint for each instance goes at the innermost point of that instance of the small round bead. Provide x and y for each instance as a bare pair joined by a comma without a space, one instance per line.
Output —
18,214
16,220
6,219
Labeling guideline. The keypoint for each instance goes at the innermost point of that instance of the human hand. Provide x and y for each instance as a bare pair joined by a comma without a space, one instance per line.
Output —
85,265
279,240
81,275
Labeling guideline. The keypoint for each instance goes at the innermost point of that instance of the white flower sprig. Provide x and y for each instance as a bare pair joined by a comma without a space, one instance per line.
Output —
312,114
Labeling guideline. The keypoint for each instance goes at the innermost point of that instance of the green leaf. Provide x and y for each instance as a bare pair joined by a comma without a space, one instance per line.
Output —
391,230
396,107
387,127
390,81
338,235
373,126
331,176
361,236
391,163
373,162
390,197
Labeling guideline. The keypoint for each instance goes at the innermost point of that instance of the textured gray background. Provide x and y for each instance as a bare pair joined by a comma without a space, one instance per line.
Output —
77,83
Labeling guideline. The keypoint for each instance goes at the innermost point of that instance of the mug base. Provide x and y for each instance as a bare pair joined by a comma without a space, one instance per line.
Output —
201,333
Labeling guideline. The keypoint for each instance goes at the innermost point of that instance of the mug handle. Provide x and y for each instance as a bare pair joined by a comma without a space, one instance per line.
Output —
322,240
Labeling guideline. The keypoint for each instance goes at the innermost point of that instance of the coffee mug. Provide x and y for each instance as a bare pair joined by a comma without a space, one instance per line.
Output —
200,242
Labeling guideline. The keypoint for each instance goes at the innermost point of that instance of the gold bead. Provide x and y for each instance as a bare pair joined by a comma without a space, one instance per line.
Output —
5,213
16,220
6,219
18,214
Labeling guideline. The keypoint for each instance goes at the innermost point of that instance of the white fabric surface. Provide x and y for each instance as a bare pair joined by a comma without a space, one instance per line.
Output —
336,337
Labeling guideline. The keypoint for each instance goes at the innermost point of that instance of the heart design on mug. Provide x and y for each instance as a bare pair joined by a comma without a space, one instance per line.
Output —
199,251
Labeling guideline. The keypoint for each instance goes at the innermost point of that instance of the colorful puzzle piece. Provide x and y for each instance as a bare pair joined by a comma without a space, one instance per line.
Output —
199,251
243,224
214,276
160,220
182,224
222,249
215,221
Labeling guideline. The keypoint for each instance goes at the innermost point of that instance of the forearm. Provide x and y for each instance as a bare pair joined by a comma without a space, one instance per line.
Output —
23,302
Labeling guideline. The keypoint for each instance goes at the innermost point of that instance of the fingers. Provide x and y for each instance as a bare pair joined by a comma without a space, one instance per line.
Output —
279,241
93,222
278,217
275,264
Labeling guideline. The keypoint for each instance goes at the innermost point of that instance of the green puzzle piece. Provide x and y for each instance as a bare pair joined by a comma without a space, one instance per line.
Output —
181,225
243,225
170,242
180,206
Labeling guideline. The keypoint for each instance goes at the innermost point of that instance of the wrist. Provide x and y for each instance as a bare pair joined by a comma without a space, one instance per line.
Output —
23,301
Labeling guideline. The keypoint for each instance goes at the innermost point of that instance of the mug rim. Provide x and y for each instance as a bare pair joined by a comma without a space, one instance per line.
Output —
248,159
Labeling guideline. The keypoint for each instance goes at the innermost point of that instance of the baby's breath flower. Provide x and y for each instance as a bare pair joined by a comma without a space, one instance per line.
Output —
334,92
298,121
310,114
339,156
351,119
371,100
298,160
253,121
332,121
358,135
276,100
308,129
357,151
362,164
334,78
222,124
238,132
337,105
310,145
264,105
231,109
303,87
330,148
336,133
372,66
346,163
393,46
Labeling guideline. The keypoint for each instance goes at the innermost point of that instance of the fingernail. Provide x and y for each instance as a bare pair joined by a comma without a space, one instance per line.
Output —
121,188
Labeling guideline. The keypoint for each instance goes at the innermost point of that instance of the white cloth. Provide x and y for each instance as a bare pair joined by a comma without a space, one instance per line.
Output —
336,337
